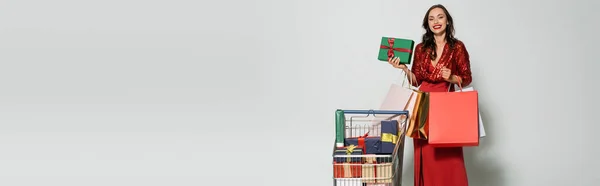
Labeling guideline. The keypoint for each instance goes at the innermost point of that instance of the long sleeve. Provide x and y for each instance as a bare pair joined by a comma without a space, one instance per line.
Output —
463,64
418,68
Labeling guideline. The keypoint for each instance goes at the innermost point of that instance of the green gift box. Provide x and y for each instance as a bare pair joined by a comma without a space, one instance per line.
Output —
340,125
396,47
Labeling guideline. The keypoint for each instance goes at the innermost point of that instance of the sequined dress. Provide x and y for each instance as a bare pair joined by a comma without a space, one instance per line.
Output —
440,166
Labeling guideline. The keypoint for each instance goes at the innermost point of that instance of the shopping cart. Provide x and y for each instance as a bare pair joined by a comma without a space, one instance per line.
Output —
352,167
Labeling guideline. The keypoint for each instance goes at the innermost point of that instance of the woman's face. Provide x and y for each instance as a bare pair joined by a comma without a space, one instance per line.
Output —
437,21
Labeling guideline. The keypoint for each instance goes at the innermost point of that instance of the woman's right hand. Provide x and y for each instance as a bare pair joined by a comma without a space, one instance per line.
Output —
395,62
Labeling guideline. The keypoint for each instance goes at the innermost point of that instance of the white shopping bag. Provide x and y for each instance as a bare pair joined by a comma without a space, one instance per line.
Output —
398,96
481,128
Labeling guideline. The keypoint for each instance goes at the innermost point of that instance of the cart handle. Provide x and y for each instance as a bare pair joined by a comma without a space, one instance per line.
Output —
395,112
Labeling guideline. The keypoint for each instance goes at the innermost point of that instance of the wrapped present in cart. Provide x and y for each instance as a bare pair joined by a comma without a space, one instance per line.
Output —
372,149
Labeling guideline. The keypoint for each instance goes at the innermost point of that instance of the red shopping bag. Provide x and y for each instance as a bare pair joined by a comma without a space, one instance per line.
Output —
453,119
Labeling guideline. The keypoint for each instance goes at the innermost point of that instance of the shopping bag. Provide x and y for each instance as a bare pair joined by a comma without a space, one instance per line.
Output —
403,98
481,128
396,99
409,107
399,97
453,119
418,127
421,119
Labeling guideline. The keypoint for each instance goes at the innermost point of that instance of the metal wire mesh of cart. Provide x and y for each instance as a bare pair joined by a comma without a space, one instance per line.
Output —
372,154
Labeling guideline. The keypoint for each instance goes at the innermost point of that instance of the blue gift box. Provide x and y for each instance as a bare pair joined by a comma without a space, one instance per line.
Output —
389,136
348,150
372,145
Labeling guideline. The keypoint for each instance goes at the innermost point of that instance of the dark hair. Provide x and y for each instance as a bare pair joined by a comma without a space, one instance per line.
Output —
429,40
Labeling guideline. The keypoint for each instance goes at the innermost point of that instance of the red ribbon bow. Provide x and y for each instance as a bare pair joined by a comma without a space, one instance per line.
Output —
391,48
361,142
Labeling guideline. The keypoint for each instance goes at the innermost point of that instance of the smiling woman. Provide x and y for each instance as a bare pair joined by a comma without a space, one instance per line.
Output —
440,61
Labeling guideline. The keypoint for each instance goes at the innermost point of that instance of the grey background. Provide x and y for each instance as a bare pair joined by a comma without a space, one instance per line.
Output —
243,92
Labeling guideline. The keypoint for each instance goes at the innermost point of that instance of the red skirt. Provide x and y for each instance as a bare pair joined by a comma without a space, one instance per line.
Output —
438,166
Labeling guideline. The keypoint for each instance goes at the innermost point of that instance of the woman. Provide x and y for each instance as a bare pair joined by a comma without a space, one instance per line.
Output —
440,60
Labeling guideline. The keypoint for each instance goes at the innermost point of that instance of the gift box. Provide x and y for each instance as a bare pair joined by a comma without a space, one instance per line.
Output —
370,145
348,150
348,183
347,170
389,136
378,184
384,159
384,172
376,172
369,174
396,47
340,122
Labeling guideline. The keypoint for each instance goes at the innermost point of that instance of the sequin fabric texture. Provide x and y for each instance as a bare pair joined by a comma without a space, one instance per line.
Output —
456,59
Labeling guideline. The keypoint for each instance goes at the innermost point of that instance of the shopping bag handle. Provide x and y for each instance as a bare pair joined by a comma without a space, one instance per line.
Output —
459,85
404,79
406,76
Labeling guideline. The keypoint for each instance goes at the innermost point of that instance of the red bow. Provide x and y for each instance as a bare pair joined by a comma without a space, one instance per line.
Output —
361,142
391,48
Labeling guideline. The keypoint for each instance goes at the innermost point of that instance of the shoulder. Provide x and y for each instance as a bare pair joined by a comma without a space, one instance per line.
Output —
460,49
459,45
419,47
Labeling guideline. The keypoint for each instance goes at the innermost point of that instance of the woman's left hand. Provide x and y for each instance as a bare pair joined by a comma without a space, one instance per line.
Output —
446,73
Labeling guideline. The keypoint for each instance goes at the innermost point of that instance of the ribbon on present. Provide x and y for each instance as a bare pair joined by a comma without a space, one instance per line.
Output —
389,137
349,151
361,142
391,48
347,171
